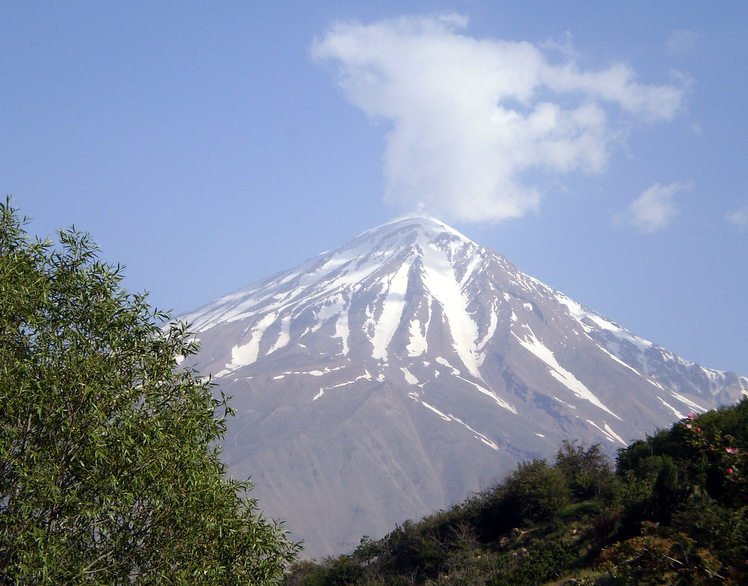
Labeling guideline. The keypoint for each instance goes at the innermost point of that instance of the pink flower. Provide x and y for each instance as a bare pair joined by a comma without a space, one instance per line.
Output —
691,416
688,426
732,450
729,471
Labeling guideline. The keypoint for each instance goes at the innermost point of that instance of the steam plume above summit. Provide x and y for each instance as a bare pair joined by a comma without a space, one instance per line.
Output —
479,124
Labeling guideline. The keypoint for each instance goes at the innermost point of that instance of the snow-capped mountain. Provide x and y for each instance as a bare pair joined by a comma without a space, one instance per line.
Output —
398,373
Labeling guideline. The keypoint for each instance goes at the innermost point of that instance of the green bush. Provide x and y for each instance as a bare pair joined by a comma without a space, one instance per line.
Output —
585,471
534,491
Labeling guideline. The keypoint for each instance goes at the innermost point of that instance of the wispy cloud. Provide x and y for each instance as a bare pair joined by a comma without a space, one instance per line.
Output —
739,217
477,124
654,209
682,41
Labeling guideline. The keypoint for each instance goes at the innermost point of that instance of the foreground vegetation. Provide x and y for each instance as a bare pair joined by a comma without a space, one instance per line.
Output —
108,471
673,511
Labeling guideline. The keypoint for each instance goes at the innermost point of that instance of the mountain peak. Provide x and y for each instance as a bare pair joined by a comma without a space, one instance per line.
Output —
405,232
334,276
428,225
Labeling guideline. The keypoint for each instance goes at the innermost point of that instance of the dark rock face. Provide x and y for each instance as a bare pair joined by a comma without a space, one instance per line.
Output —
395,375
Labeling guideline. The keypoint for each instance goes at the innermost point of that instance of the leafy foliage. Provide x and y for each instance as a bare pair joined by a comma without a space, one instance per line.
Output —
691,480
585,471
661,557
535,491
109,472
675,511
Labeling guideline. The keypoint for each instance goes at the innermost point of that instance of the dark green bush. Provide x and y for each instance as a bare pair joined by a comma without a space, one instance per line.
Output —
585,471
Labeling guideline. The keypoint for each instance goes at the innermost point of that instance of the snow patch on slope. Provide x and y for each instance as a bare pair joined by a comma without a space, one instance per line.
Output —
492,325
283,337
417,345
409,376
677,413
386,324
441,282
531,343
246,354
365,376
499,401
695,407
584,316
445,362
609,434
484,439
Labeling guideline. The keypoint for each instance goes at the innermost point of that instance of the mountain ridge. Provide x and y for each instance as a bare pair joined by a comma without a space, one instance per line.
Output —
465,364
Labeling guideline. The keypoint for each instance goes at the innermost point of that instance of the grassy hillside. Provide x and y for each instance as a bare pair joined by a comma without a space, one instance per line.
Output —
673,510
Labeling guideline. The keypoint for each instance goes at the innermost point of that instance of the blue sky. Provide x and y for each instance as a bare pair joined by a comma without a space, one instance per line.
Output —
600,146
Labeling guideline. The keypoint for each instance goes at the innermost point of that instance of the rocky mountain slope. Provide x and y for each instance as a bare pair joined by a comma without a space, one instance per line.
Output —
393,376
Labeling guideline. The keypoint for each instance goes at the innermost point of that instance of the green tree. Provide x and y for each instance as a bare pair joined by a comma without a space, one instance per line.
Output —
585,471
535,491
109,467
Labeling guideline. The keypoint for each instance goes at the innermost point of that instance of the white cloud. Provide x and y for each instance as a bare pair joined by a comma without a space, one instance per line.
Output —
654,209
739,217
473,120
